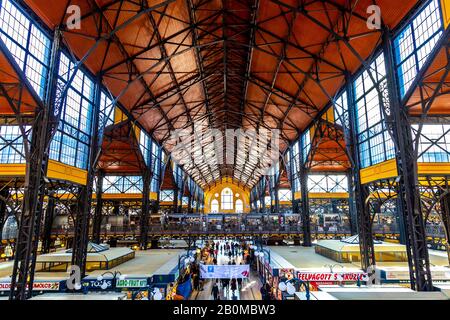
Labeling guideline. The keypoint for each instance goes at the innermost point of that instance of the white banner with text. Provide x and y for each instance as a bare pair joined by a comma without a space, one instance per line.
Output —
224,271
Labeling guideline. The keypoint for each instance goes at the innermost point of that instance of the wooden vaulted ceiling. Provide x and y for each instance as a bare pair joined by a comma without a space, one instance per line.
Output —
222,64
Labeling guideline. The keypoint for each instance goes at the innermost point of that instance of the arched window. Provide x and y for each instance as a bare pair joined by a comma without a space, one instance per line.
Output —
227,199
239,206
214,206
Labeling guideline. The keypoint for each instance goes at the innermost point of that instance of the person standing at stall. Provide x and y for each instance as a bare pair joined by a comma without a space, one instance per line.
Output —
196,282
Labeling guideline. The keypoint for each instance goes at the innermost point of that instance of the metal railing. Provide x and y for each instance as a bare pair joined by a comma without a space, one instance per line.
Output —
270,229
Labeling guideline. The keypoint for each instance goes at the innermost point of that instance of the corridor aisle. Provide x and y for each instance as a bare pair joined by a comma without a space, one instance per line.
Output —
248,290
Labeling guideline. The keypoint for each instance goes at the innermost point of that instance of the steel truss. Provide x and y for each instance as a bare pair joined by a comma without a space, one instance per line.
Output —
399,125
212,53
221,89
304,203
145,213
43,125
360,221
35,145
435,196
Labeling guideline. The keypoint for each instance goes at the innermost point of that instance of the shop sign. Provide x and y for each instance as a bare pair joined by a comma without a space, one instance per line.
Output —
131,283
95,284
333,276
401,275
38,286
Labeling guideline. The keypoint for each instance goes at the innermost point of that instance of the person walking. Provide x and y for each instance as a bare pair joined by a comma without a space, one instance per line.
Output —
215,291
233,286
225,283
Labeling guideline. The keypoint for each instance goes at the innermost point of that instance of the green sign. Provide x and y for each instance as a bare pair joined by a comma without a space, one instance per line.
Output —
131,283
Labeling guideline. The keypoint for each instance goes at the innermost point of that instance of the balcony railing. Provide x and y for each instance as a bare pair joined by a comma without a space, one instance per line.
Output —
270,229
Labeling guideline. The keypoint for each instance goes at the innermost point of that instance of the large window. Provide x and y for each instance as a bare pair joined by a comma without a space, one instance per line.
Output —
106,111
152,157
341,110
156,168
122,184
145,144
267,201
71,142
434,143
306,145
31,49
295,167
27,43
327,183
132,184
12,149
239,206
284,195
167,195
214,206
227,199
415,42
374,140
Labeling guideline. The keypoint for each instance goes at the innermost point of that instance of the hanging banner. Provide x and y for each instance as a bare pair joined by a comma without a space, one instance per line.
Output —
225,271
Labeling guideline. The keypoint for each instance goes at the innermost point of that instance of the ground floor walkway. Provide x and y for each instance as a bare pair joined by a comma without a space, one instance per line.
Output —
247,289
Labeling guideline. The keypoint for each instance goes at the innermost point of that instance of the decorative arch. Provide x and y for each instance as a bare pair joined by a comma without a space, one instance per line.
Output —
238,192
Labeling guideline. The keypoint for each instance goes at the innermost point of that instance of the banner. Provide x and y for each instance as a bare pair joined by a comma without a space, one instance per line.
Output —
37,285
333,277
224,272
131,283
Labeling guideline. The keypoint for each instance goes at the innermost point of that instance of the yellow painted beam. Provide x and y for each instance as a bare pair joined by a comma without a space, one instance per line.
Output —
445,4
12,169
380,171
328,195
61,171
125,196
435,168
119,196
297,195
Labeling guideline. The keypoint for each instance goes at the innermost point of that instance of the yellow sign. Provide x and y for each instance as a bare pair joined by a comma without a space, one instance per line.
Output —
380,171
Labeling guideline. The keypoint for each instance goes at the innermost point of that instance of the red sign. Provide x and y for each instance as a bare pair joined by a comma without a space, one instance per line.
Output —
332,276
39,286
